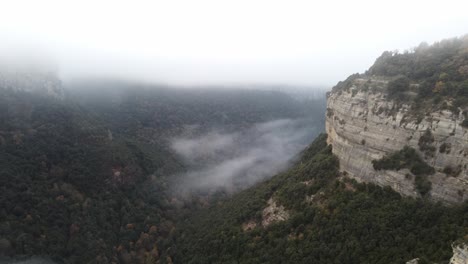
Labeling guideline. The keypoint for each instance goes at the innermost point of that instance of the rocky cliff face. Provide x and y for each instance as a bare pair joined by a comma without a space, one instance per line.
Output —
460,255
364,125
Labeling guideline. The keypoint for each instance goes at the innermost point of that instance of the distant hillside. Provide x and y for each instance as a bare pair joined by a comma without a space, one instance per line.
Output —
172,107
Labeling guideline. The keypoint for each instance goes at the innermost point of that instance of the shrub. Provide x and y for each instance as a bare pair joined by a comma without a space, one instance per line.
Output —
425,143
450,171
408,158
405,158
422,184
464,123
445,148
398,86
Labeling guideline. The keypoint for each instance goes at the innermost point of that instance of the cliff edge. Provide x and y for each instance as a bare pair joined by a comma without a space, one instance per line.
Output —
372,117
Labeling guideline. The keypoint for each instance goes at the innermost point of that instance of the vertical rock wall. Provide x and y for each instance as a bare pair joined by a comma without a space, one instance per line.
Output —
363,125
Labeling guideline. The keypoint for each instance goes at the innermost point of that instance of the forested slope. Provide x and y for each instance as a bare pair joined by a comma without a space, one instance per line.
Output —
70,189
321,217
86,178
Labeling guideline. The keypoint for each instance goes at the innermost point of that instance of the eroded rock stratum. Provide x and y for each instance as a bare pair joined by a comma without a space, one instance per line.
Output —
364,125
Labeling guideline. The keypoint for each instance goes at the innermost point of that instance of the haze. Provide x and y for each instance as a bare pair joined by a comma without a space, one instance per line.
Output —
229,42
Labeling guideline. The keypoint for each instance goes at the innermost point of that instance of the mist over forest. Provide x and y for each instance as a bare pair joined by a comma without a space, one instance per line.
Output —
231,137
147,149
239,159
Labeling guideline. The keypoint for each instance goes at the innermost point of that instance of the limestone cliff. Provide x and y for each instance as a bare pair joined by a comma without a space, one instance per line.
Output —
363,124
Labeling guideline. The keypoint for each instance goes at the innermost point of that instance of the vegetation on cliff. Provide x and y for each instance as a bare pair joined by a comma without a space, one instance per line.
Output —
430,77
405,158
408,158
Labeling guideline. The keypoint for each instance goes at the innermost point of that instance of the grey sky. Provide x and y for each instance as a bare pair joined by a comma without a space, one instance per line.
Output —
216,41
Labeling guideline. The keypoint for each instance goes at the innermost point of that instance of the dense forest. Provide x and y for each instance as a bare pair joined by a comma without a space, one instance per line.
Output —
86,178
70,189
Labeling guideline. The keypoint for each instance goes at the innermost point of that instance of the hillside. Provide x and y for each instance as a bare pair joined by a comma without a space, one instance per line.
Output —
314,214
87,177
416,99
69,188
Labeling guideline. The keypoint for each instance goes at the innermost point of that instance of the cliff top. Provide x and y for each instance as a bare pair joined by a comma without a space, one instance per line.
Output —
429,77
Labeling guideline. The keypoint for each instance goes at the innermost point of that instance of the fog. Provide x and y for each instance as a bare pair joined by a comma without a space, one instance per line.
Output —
235,160
212,41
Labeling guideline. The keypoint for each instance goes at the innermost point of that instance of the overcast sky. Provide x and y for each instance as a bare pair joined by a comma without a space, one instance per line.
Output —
216,41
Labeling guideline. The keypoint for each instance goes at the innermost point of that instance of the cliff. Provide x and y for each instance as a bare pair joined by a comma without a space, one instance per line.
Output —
361,127
365,122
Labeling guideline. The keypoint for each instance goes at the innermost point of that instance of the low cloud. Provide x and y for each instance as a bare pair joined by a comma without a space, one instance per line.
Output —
236,160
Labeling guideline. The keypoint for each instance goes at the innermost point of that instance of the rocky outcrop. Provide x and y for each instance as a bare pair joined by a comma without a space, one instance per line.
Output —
273,213
413,261
364,125
249,225
460,255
